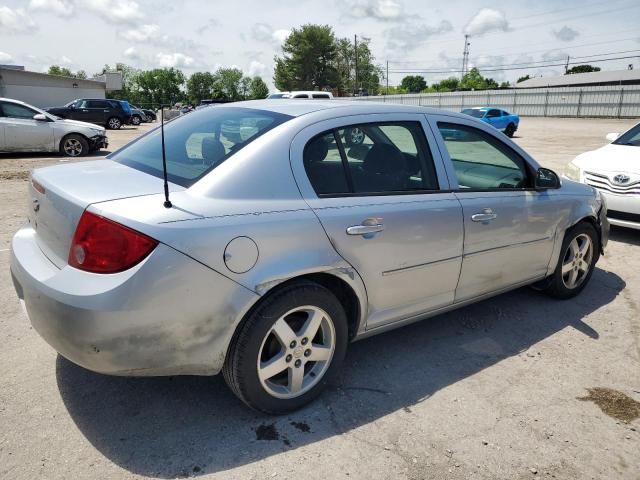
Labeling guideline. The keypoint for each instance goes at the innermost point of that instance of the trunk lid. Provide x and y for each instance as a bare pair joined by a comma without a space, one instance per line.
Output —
59,194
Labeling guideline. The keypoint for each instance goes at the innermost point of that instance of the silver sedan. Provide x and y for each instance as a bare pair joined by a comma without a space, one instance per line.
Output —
25,128
285,240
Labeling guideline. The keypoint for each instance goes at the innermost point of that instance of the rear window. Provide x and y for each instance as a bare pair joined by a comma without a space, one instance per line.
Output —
197,143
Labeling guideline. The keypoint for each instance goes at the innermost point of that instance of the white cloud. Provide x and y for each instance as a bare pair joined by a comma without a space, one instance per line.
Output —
263,32
141,34
132,53
379,9
487,20
64,60
566,34
280,35
63,8
15,21
5,58
174,60
257,68
411,36
114,11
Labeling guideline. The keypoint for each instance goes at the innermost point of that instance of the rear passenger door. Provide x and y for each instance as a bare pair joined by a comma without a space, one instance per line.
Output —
509,227
98,111
385,206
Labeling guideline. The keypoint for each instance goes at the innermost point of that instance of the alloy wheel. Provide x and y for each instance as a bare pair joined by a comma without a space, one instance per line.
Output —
296,352
72,147
114,123
577,261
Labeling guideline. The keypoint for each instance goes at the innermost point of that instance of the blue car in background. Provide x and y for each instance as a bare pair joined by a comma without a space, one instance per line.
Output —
500,119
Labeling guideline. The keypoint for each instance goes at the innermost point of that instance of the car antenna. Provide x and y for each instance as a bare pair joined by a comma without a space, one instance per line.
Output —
167,202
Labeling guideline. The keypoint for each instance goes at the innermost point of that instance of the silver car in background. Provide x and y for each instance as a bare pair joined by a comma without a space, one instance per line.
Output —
25,128
285,240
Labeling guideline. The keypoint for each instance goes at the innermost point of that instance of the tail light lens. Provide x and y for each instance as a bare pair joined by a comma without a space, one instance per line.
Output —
101,245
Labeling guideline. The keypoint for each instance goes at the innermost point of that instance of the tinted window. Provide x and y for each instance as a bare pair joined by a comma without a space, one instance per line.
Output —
302,95
13,110
505,114
375,159
98,104
197,143
320,95
481,161
493,113
474,112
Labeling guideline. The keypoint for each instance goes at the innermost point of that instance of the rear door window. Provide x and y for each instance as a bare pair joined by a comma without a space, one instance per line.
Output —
481,161
375,159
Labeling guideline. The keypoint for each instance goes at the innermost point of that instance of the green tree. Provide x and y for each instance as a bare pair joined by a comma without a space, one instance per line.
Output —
582,69
228,84
522,79
65,72
130,90
369,73
505,85
450,84
413,83
200,86
308,60
160,85
258,89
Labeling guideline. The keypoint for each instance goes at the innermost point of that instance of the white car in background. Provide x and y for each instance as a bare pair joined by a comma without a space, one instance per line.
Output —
312,94
614,170
25,128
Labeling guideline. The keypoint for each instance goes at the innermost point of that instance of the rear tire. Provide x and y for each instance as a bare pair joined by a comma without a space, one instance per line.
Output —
74,145
510,130
578,256
114,123
287,349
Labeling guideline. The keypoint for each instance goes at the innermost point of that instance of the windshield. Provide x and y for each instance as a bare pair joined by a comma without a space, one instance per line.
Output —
474,112
197,143
631,137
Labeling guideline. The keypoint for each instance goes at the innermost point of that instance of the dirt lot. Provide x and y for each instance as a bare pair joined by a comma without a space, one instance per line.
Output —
516,387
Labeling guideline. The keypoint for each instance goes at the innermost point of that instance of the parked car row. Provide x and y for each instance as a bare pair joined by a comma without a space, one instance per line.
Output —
292,229
113,114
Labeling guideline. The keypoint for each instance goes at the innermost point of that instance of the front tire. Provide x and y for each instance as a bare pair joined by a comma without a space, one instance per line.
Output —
114,123
136,120
578,256
287,349
74,145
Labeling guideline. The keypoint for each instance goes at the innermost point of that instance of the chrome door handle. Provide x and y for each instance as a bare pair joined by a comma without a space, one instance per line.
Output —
485,217
365,229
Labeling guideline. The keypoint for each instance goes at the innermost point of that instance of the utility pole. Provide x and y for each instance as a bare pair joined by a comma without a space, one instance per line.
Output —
566,67
465,55
355,50
387,91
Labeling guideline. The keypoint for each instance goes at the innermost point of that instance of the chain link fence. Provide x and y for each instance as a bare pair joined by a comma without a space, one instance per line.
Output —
604,101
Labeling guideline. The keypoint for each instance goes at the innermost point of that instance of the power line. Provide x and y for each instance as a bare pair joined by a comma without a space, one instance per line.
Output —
493,68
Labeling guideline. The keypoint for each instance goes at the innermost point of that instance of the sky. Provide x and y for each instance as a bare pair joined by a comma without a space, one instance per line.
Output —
421,36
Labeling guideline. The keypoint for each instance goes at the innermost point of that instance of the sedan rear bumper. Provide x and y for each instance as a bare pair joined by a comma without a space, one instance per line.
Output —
167,315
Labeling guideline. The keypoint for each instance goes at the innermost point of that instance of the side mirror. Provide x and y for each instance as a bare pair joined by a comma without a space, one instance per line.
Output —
612,136
546,179
40,117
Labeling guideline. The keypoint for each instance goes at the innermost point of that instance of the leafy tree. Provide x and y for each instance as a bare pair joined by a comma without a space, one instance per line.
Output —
160,85
258,89
582,69
65,72
228,84
369,73
522,79
130,90
505,85
200,86
450,84
308,60
413,83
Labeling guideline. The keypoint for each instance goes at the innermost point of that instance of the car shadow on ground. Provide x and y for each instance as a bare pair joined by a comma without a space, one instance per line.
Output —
189,426
624,235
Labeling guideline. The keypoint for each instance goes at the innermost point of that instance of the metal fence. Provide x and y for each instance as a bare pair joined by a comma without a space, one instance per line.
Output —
607,101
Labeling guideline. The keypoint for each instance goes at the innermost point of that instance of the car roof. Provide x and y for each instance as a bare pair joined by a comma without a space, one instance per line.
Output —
296,108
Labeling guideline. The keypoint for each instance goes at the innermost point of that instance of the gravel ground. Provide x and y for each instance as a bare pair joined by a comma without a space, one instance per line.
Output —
516,387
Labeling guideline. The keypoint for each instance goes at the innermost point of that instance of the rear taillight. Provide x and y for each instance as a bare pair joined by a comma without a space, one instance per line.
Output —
101,245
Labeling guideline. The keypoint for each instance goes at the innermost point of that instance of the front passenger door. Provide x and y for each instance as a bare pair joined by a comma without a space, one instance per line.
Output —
509,227
21,132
